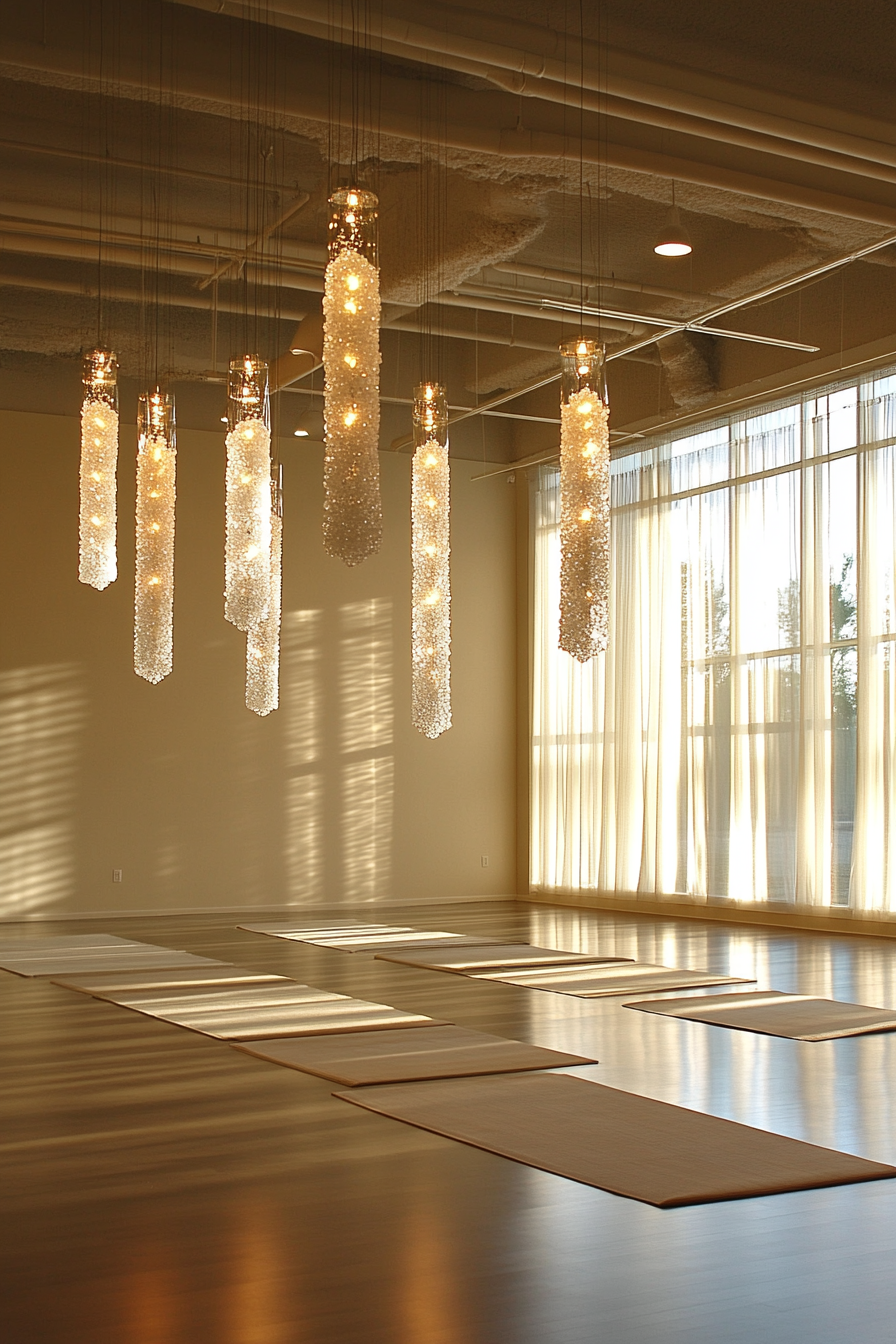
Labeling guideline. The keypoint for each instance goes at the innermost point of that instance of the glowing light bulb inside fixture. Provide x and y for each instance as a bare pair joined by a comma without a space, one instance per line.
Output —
263,639
431,592
154,573
247,560
673,239
584,500
98,562
351,359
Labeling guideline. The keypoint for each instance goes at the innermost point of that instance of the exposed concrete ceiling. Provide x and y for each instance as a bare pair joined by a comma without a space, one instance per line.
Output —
149,145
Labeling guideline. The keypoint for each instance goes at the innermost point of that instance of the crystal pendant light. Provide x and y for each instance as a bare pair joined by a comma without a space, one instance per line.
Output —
353,516
584,500
263,639
154,576
247,557
99,460
431,592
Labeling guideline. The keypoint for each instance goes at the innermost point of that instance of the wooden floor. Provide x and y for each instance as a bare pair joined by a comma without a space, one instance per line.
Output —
159,1187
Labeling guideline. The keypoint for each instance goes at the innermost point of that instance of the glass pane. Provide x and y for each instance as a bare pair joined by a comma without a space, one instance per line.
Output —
765,611
768,441
844,684
832,422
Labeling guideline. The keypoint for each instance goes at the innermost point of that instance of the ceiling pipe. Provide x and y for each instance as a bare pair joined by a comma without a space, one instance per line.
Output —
469,113
694,325
258,241
134,165
602,282
614,82
122,293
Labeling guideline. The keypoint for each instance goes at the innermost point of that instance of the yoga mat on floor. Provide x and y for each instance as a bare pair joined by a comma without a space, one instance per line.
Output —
494,955
397,1056
796,1016
260,1011
403,941
103,983
53,942
301,934
82,961
594,980
626,1144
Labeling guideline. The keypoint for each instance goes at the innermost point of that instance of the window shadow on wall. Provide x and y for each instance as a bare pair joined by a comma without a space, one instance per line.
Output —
42,711
337,694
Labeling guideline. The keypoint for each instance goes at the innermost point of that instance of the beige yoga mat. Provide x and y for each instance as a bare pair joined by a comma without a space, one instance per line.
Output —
626,1144
796,1016
397,1056
403,941
594,980
260,1011
83,960
103,983
298,933
466,961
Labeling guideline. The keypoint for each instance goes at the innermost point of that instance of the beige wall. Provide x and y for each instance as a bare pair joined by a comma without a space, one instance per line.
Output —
334,798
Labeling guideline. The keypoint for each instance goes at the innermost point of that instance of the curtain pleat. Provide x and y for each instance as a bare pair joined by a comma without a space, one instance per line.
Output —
738,738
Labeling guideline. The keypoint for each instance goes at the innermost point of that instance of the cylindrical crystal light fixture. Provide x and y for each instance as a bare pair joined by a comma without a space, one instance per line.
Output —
154,576
263,640
584,500
99,460
247,548
431,591
353,515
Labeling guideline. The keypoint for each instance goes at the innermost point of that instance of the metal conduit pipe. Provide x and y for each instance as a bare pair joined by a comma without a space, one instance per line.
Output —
508,340
125,295
490,305
632,81
469,112
603,282
125,254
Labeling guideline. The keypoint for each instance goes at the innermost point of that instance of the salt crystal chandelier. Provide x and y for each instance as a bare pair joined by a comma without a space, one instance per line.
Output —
584,500
353,515
431,591
247,554
99,459
154,573
263,639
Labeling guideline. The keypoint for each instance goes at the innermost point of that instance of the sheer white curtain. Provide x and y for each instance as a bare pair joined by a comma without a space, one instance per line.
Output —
738,739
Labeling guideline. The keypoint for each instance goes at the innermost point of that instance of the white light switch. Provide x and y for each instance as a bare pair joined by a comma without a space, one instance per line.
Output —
484,860
116,874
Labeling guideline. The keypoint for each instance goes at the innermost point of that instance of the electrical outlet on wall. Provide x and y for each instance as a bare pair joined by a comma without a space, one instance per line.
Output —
116,874
483,859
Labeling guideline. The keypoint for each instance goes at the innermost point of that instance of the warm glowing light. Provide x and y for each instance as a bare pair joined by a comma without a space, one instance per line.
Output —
247,560
154,573
430,548
263,639
99,461
351,358
673,239
584,502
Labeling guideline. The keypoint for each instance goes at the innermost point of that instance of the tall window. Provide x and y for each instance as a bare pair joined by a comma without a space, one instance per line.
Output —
738,739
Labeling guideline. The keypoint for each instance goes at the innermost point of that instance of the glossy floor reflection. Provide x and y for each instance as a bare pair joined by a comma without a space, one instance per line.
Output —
161,1188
